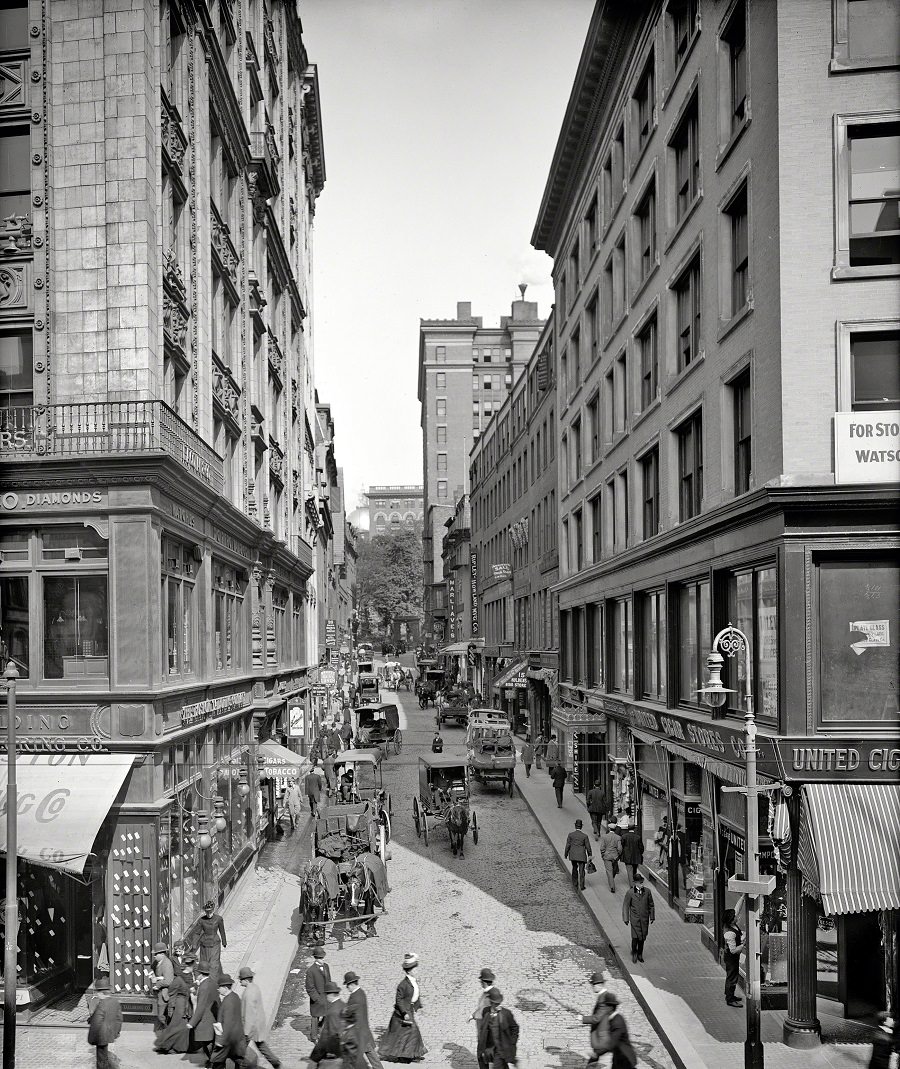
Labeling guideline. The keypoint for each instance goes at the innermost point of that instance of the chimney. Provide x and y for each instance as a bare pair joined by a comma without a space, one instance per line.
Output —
463,310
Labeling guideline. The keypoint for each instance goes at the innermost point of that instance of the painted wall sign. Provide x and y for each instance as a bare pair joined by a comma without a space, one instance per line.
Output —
867,447
224,703
296,721
55,499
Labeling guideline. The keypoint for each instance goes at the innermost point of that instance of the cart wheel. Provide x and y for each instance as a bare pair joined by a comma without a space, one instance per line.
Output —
474,829
417,820
382,845
425,827
512,783
398,740
391,807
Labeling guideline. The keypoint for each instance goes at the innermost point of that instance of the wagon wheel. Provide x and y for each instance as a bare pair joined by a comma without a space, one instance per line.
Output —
417,820
382,844
512,782
474,829
425,826
390,807
398,741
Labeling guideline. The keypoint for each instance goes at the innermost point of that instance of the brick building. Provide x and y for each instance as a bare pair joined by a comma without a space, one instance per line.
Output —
395,508
721,211
158,587
465,372
513,478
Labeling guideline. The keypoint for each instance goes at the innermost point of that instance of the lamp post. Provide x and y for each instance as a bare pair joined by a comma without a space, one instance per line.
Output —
733,642
10,948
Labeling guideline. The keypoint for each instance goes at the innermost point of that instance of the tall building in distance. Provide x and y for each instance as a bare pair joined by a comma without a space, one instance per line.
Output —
465,373
722,215
395,508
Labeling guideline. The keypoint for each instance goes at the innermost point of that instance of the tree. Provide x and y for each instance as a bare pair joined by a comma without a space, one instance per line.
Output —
389,574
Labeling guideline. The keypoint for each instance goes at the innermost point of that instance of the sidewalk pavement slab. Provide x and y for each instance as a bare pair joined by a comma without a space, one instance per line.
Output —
680,985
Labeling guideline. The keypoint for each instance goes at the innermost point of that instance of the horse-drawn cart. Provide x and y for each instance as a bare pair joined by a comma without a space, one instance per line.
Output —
490,752
444,800
379,725
455,707
360,779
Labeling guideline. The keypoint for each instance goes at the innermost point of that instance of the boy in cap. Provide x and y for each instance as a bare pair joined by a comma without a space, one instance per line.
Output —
229,1028
253,1015
318,975
105,1022
498,1034
358,1006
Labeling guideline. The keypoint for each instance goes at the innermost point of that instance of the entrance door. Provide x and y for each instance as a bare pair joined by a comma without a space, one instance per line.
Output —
861,964
82,933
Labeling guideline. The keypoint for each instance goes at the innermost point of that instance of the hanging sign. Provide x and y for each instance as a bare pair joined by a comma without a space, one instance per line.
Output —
296,721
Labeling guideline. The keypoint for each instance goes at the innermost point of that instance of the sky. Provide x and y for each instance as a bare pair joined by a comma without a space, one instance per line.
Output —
439,121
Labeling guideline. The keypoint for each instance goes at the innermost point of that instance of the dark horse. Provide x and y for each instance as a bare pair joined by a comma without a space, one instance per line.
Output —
457,826
427,693
314,903
361,899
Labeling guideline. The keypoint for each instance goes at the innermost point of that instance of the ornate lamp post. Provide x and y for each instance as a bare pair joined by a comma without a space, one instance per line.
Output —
733,642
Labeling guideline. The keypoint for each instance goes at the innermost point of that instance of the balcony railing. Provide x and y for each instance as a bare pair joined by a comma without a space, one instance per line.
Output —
107,428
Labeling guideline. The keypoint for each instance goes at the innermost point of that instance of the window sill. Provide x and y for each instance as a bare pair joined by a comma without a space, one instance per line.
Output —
679,70
726,326
614,329
639,417
843,271
674,234
645,281
726,149
685,373
840,65
642,152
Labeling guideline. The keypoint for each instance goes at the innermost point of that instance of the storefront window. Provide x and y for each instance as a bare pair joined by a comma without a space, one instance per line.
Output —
76,627
653,646
73,543
178,574
43,921
859,617
753,608
622,641
694,638
14,618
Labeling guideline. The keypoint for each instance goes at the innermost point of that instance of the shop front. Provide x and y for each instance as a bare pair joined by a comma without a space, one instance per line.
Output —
278,768
511,689
581,734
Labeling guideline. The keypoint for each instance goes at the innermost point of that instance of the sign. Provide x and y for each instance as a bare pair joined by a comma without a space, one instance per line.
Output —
877,632
225,703
501,571
717,740
345,650
328,677
576,763
319,690
867,447
474,582
335,657
451,594
296,721
737,840
650,788
40,500
816,760
330,633
470,656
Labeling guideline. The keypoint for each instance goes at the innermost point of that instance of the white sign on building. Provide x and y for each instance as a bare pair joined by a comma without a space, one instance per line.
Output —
867,447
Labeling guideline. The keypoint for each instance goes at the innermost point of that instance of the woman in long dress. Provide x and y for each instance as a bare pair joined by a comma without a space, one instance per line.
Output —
402,1042
174,1036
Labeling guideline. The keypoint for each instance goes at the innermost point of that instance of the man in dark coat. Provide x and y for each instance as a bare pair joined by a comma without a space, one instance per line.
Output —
498,1034
578,850
617,1042
206,1005
105,1022
632,849
332,1025
596,806
638,911
559,776
359,1004
599,1018
230,1041
734,944
318,976
312,788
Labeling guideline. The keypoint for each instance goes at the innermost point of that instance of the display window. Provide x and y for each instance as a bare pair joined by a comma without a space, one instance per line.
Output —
44,921
753,608
178,604
228,618
655,831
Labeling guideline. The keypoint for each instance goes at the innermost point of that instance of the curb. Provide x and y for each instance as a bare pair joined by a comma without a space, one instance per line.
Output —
626,973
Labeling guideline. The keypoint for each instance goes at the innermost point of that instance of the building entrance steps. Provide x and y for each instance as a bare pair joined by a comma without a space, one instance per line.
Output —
680,985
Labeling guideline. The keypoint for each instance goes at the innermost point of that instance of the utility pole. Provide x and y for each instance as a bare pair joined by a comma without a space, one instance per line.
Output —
10,947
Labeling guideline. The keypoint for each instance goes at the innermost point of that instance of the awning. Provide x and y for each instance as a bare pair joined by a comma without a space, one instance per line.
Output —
456,649
279,761
62,800
508,678
579,720
848,851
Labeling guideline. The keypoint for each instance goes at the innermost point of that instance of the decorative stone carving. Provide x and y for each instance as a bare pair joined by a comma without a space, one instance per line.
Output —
13,79
224,248
175,321
276,358
13,287
173,276
15,235
172,136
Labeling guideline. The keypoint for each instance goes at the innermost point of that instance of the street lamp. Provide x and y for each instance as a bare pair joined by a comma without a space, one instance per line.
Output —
732,642
10,948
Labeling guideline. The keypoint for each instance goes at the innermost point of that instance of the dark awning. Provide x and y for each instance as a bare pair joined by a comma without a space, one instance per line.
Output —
517,668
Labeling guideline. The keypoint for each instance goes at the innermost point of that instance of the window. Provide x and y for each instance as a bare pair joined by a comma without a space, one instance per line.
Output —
622,648
178,608
875,370
228,617
475,385
441,406
645,232
653,646
594,644
683,26
694,638
618,291
15,172
593,409
442,488
592,326
738,251
442,462
575,360
574,272
743,459
686,146
442,434
281,645
874,153
15,618
591,232
647,347
687,314
440,354
76,627
690,466
866,33
596,530
650,492
734,39
753,609
16,377
578,528
618,165
14,25
620,399
576,449
441,380
642,109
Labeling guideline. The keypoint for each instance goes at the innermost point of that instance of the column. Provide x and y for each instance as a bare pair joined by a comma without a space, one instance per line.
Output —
801,1026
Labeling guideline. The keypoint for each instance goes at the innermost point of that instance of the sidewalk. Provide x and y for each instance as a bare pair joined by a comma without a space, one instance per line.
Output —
680,985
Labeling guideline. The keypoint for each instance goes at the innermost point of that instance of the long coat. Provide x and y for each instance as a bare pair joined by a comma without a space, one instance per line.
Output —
358,1002
253,1012
623,1055
175,1034
559,776
632,848
332,1026
638,911
232,1025
507,1033
206,1004
551,751
317,976
106,1022
164,975
599,1022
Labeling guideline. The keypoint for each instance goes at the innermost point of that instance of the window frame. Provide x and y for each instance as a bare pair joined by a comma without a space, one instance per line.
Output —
841,60
742,443
703,642
687,128
690,481
648,332
845,329
735,701
659,651
687,294
181,575
650,501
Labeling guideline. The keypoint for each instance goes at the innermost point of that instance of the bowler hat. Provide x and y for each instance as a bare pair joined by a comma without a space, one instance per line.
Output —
351,978
203,968
102,984
579,823
487,974
598,977
160,948
189,958
225,980
638,878
245,973
495,997
331,988
318,952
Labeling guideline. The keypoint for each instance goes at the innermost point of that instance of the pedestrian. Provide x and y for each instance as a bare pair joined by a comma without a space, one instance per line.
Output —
884,1043
487,979
253,1015
328,769
598,1019
632,849
318,976
638,911
540,747
498,1034
163,975
623,1055
578,850
328,1042
734,944
212,938
559,776
437,743
175,1035
359,1005
551,752
206,1005
293,801
312,788
105,1023
596,806
402,1040
610,848
230,1041
661,839
527,756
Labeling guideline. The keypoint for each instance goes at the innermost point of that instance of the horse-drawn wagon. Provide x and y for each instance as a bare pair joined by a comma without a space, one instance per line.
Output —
360,779
444,800
490,751
455,706
368,688
379,725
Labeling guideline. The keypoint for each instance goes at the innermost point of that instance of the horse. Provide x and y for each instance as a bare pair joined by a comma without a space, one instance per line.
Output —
458,826
314,903
361,898
426,694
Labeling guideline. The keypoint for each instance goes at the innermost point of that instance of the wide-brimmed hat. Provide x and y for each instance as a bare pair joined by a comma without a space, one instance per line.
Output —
351,978
102,984
160,948
410,961
487,974
495,997
245,973
225,980
318,952
331,988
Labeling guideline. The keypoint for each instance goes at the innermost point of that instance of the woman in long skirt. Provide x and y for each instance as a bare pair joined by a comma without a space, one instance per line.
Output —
174,1037
402,1042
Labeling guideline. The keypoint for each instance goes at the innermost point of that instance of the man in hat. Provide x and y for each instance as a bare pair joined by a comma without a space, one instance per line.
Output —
617,1042
638,911
163,975
596,806
253,1015
559,776
487,979
329,1041
734,944
293,801
318,976
229,1028
578,850
312,788
498,1034
105,1022
358,1004
206,1003
598,1020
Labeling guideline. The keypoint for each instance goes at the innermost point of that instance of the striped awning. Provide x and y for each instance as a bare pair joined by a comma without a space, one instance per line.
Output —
849,850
